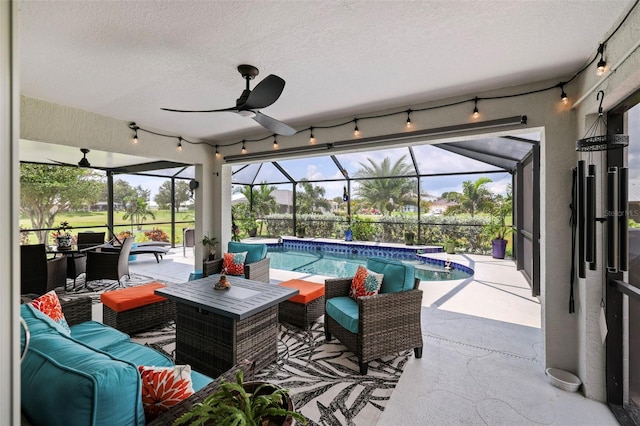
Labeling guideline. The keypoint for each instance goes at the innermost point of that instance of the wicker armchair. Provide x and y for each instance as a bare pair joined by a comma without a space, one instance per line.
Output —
257,270
112,265
38,275
387,322
77,262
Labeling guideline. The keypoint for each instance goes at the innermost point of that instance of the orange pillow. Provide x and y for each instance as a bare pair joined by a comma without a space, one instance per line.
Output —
49,304
233,263
164,387
365,283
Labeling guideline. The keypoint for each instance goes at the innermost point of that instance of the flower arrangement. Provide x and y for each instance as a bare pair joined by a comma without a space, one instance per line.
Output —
63,230
62,235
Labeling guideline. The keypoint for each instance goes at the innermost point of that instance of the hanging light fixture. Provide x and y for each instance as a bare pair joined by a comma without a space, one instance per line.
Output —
243,150
563,95
409,125
217,152
476,113
179,147
596,138
602,64
135,128
356,131
275,142
312,139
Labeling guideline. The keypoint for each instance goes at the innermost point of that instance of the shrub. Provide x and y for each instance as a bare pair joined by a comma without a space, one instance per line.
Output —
156,234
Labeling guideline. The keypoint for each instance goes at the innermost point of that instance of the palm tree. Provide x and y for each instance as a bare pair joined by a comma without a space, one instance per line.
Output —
475,196
311,199
261,202
390,185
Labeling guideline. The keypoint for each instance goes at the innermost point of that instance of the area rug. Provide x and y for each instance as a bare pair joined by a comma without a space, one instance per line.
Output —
323,378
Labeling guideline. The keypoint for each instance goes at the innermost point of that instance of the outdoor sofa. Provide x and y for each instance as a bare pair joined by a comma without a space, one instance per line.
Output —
87,378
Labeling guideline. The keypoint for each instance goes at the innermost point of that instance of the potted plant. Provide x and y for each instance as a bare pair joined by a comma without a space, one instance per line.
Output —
251,403
409,238
450,245
63,236
496,231
250,224
209,244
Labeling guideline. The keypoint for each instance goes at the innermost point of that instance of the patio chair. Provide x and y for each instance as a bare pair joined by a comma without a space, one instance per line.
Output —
375,326
256,266
109,264
38,275
77,262
188,240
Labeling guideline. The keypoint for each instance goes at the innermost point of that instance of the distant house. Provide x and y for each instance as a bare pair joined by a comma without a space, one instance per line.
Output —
440,206
284,199
103,206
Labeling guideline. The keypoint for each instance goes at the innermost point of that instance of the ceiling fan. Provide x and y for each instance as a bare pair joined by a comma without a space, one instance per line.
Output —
247,105
83,161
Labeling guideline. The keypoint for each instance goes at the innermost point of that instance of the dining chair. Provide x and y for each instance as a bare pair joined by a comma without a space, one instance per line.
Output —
77,262
111,264
38,275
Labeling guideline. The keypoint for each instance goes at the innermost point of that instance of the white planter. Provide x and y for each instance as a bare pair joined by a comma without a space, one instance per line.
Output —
64,241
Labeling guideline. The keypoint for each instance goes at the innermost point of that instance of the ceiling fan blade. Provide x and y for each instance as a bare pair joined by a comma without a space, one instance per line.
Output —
277,127
265,93
62,163
204,110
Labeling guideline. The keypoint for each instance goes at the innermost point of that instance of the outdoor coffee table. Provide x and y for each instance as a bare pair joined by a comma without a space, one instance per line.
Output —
215,329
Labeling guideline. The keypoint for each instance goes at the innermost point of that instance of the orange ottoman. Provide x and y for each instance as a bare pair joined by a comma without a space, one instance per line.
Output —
135,309
304,308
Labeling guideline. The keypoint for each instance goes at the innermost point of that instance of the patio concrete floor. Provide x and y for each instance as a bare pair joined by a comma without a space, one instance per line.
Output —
482,359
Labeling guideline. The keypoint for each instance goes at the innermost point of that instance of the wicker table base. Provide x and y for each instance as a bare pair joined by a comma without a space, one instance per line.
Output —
213,343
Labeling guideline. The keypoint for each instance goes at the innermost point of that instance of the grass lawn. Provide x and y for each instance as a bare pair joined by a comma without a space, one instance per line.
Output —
97,221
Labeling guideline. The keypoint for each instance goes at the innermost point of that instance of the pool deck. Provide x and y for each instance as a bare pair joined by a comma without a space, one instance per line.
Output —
483,355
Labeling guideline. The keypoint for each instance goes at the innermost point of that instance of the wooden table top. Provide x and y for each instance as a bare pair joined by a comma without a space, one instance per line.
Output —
243,299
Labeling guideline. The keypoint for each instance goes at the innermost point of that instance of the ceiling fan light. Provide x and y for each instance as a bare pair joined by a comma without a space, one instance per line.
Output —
246,113
84,163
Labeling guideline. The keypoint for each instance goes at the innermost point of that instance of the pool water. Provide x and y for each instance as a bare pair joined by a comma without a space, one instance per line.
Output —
345,265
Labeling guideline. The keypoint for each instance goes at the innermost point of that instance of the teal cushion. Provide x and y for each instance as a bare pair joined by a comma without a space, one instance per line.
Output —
255,252
138,354
345,311
199,380
64,382
97,335
398,276
39,322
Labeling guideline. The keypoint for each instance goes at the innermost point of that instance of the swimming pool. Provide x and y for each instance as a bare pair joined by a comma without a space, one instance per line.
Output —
345,264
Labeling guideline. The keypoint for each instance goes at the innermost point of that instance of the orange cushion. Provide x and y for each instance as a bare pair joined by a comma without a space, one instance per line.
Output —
308,291
132,297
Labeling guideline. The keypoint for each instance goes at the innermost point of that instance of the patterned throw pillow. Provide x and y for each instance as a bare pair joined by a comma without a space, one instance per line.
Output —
49,304
164,387
233,263
365,283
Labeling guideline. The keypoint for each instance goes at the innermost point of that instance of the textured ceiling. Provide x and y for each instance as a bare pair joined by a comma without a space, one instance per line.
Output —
339,58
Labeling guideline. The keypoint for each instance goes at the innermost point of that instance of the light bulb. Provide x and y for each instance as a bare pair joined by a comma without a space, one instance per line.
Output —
564,98
217,153
602,65
476,113
135,139
356,131
275,143
179,147
408,119
312,139
244,150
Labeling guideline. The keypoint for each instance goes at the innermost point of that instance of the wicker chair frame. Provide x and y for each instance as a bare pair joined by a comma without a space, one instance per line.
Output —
387,323
112,265
256,271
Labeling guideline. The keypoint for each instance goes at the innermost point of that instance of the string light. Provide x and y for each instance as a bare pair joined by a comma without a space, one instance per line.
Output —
312,140
563,95
409,125
476,113
217,152
275,142
243,150
179,148
356,131
602,64
133,126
